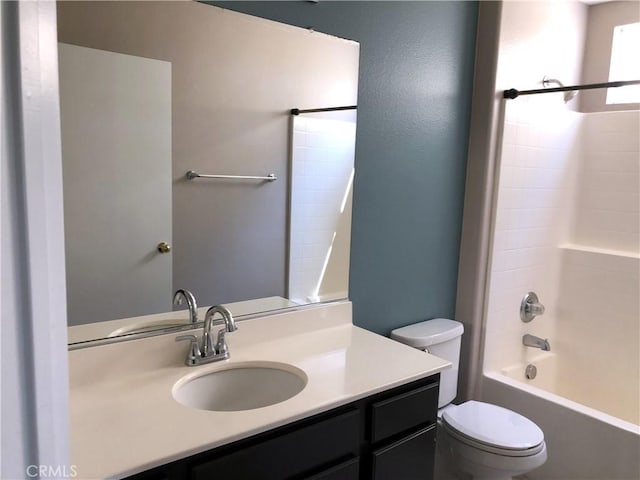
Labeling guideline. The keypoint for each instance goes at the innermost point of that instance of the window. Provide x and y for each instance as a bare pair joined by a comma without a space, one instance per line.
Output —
625,63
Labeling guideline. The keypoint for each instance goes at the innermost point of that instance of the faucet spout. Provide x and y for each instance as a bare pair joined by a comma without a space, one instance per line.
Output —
229,326
536,342
186,295
229,322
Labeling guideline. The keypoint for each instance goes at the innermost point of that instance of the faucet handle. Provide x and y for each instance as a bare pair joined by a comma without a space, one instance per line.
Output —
530,307
535,308
221,343
194,350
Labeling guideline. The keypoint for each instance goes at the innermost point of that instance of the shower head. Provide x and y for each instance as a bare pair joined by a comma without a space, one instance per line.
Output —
568,95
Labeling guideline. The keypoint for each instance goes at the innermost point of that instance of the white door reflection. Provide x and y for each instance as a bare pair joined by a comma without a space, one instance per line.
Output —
115,114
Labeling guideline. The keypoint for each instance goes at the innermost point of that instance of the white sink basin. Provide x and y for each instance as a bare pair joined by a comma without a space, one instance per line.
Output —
241,387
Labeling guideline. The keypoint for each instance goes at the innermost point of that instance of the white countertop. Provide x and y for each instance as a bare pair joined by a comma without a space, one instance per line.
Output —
124,419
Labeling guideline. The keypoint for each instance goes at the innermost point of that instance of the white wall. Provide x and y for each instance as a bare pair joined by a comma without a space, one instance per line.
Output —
478,200
539,38
33,373
602,18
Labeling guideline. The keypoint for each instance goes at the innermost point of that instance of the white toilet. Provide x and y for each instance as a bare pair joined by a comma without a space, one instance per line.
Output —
476,439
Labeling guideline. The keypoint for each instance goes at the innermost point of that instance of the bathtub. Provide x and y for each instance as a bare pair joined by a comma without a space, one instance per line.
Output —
584,443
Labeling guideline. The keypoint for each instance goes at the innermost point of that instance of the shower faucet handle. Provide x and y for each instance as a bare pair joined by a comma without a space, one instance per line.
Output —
530,307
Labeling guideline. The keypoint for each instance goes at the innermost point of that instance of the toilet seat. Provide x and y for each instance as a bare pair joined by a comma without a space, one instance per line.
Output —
472,443
493,429
470,460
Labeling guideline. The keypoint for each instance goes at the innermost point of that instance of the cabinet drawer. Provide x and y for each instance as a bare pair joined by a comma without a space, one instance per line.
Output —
408,459
349,470
404,412
289,454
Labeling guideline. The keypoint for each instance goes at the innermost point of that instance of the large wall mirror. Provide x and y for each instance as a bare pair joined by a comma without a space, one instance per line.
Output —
150,91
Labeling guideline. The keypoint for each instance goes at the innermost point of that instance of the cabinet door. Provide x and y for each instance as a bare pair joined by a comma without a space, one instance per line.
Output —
289,455
404,412
410,458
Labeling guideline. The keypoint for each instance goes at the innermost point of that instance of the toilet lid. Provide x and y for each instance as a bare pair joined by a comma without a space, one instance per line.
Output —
494,426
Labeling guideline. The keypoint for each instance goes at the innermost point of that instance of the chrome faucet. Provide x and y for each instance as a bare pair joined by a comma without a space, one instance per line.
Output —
536,342
229,326
206,351
191,303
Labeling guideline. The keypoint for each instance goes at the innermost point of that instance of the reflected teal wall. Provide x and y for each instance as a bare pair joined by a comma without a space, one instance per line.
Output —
416,75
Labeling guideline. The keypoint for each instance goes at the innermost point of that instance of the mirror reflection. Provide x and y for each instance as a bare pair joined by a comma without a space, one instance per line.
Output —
152,90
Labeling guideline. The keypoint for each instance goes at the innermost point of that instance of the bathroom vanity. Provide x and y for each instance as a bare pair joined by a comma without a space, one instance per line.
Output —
367,408
386,436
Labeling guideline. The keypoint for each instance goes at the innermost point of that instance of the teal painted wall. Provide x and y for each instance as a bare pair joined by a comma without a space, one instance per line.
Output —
416,76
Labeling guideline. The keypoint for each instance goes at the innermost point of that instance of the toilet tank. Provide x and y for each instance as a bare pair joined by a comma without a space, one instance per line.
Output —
440,337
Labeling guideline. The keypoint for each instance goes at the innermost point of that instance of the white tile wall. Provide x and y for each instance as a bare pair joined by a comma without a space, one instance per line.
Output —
566,226
598,332
536,39
532,218
322,175
608,200
599,310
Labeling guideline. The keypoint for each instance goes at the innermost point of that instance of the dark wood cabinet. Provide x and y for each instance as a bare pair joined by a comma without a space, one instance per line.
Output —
410,458
349,470
403,412
289,454
387,436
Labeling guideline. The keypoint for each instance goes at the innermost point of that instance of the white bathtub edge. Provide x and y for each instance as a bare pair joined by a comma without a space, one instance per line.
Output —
575,406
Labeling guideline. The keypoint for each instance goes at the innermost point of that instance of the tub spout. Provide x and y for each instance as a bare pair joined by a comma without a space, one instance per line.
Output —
536,342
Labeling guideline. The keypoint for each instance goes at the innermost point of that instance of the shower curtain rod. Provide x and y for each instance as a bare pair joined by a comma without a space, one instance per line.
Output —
513,93
297,111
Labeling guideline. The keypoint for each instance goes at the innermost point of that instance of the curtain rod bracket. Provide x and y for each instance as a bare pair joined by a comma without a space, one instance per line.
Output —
511,93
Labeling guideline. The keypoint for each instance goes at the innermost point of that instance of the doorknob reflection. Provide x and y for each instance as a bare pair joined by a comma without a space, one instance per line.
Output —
164,247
